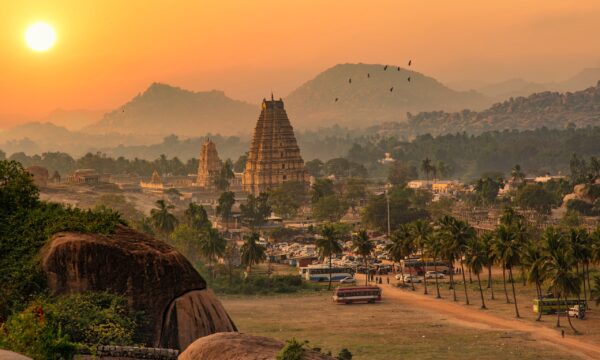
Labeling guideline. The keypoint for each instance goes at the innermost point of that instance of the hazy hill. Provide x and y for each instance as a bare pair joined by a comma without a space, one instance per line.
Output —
73,119
519,87
368,100
545,109
163,109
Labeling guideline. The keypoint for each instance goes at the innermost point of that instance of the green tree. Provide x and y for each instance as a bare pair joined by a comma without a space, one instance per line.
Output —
224,206
476,258
187,240
458,234
328,245
17,190
162,218
362,246
287,199
256,209
487,241
507,249
435,250
212,247
536,262
421,231
426,167
252,253
354,190
314,168
322,188
536,197
240,164
225,176
330,208
487,189
397,250
196,217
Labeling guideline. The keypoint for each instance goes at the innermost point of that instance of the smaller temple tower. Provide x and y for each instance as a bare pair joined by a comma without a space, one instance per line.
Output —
210,165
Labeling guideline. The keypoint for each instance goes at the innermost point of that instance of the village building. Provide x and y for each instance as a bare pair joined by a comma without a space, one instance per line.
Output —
84,176
209,166
155,184
274,156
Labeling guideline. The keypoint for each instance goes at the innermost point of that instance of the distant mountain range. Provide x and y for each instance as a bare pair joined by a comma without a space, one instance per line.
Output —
545,109
368,94
519,87
164,109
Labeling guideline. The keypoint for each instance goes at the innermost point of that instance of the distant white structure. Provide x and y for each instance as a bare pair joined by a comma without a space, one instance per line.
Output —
387,159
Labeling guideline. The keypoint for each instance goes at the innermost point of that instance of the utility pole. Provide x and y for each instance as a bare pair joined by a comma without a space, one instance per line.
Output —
387,199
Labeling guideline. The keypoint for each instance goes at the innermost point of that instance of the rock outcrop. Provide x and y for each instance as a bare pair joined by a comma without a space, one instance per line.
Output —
152,275
9,355
236,346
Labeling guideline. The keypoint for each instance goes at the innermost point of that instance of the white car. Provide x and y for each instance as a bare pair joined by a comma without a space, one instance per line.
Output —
408,278
434,275
348,280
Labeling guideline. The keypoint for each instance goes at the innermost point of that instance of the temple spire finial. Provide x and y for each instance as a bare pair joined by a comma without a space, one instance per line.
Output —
272,95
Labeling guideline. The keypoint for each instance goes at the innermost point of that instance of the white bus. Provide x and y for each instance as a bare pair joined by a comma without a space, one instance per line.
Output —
320,272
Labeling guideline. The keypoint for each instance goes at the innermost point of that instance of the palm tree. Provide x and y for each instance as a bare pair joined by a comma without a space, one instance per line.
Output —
396,250
252,253
406,240
162,218
363,246
426,167
579,240
460,233
507,250
487,241
516,174
536,262
476,258
328,246
421,232
434,248
595,251
522,238
448,247
562,280
212,247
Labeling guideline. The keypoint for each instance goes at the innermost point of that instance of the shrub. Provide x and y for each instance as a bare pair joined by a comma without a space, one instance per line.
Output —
293,350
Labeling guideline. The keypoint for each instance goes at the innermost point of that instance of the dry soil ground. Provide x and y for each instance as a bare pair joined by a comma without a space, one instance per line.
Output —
397,328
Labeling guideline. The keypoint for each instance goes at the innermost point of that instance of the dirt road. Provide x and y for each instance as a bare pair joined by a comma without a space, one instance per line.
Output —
472,316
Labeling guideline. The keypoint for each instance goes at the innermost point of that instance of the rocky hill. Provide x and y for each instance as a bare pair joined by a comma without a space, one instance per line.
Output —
367,99
545,109
163,109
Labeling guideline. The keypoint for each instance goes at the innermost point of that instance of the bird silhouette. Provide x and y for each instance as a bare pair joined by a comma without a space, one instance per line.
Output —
368,75
391,89
336,99
385,68
409,62
408,79
398,68
350,81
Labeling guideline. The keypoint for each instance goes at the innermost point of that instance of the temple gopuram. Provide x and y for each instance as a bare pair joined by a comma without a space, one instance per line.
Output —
274,156
209,166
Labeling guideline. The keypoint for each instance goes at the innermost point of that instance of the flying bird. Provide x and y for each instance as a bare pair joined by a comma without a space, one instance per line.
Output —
408,79
350,81
336,99
409,62
385,68
368,75
391,89
398,68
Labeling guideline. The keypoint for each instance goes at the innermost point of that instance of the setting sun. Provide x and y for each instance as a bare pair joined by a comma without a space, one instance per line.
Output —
40,36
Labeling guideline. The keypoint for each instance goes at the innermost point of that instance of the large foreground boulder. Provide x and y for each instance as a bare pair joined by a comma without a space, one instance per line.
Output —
236,346
9,355
152,275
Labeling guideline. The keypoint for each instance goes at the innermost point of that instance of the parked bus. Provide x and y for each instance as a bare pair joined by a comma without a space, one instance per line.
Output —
321,272
552,305
420,267
355,294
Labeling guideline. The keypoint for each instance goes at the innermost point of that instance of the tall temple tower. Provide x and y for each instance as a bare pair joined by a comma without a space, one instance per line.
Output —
209,166
274,156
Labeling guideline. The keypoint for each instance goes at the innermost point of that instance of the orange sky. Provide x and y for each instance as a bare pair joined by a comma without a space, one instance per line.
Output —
108,51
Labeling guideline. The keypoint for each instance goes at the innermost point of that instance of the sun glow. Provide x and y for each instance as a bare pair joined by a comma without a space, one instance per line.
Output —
40,36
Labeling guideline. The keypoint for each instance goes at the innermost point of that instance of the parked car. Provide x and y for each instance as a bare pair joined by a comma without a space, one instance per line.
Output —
412,279
576,311
434,275
348,280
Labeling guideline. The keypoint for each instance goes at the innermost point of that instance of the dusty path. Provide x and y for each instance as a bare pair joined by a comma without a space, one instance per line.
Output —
473,317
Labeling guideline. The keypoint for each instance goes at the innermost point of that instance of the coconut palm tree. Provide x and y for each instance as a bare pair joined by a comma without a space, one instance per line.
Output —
329,245
580,245
563,281
459,233
536,261
434,249
507,249
396,249
252,253
162,218
502,236
421,232
212,246
363,246
426,167
595,251
487,241
476,259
